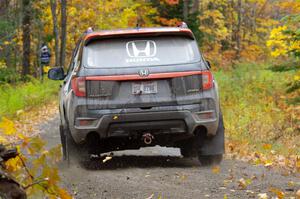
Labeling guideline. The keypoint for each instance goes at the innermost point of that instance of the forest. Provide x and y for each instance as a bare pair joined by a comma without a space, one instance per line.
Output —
252,45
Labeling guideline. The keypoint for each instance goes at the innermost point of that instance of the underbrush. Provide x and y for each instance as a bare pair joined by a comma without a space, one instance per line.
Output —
24,96
255,109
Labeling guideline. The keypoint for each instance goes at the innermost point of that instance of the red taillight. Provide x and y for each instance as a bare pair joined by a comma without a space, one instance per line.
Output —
78,86
207,80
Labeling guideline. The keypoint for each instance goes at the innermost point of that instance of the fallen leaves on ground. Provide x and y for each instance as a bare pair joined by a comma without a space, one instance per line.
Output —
298,194
279,193
27,122
151,196
271,159
262,196
243,183
216,169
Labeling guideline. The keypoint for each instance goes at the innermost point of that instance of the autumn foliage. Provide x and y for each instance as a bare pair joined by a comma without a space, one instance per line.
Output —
35,168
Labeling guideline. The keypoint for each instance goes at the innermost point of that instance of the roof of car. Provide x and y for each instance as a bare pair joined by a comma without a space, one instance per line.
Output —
138,32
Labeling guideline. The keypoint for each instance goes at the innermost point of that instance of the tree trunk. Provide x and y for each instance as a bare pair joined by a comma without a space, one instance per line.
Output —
53,4
185,10
63,32
26,23
195,7
238,30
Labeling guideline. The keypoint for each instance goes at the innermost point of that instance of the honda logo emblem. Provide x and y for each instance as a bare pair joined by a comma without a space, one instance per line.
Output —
144,72
141,48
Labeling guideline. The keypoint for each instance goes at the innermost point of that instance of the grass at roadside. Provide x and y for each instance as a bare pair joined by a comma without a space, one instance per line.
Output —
253,101
23,97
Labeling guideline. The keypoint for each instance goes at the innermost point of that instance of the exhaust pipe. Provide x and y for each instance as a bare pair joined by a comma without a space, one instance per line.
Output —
148,138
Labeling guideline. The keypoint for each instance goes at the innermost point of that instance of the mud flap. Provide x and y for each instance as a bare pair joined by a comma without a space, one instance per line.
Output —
63,141
215,145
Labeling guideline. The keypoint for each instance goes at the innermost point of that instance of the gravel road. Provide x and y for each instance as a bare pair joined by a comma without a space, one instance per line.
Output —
159,172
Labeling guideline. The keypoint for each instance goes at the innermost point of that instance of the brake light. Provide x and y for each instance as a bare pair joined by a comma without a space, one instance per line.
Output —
207,80
78,86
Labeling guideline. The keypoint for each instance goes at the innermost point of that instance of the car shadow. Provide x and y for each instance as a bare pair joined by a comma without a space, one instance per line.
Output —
132,161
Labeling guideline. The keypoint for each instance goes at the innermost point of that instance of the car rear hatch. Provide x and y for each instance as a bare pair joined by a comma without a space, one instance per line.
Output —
142,73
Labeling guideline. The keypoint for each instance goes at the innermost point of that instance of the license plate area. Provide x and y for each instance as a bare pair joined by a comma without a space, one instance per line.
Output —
144,87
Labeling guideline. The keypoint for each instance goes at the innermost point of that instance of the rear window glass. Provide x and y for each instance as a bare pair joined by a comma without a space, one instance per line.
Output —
149,51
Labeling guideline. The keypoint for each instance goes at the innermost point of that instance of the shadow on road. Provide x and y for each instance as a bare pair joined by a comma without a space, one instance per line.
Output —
129,161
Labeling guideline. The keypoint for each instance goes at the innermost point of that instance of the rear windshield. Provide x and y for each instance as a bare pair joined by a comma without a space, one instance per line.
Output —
150,51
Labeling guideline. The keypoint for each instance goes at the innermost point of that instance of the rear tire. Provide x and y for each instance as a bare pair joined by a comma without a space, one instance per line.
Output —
188,149
207,160
213,159
72,153
63,140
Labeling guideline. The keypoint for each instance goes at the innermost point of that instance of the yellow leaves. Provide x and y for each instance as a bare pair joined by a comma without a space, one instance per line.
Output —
55,154
63,194
72,11
216,169
7,126
267,146
6,43
243,183
36,145
213,24
297,77
278,41
298,164
13,164
46,69
51,174
2,139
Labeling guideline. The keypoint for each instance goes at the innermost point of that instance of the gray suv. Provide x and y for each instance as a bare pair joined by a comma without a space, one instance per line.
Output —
133,88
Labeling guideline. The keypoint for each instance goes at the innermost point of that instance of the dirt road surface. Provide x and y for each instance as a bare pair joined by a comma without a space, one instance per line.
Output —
160,172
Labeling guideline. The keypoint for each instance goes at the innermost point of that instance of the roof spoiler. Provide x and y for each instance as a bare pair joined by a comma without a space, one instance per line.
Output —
138,33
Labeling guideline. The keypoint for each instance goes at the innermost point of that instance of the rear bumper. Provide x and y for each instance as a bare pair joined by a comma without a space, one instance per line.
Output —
122,124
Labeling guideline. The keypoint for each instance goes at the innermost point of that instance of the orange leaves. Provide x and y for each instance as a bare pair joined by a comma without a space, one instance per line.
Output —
279,193
169,22
64,195
267,146
172,2
216,169
51,174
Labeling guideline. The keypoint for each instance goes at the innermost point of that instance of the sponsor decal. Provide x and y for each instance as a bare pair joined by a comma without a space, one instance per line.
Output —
141,51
